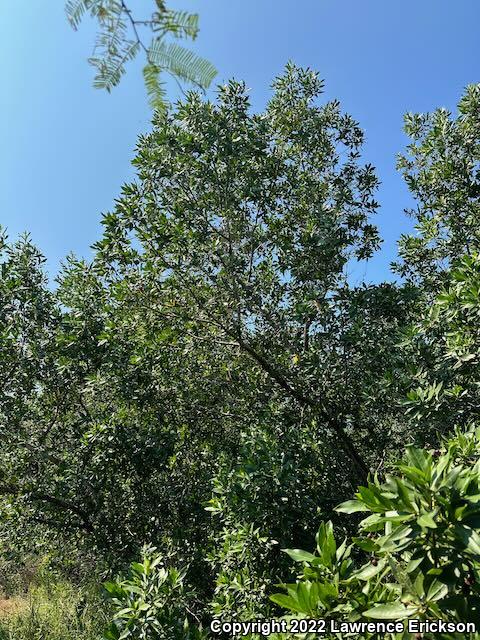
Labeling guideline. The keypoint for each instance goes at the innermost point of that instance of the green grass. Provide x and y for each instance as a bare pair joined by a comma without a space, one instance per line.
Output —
53,610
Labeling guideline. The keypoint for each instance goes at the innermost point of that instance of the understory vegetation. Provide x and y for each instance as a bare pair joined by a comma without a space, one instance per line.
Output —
210,421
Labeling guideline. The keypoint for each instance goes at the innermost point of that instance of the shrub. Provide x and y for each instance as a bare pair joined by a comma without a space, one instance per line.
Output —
152,602
419,543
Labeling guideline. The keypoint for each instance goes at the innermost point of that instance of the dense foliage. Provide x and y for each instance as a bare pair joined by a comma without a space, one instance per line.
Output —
422,543
211,386
442,173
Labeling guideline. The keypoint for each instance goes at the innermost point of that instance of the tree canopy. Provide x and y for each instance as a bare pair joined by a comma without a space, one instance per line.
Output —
211,386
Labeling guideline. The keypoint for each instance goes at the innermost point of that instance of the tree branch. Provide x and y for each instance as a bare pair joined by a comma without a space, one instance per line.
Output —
333,422
12,489
65,504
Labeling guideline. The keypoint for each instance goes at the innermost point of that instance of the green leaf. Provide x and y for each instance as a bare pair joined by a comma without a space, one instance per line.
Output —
351,506
405,494
112,633
427,521
326,544
181,62
469,538
397,539
369,570
393,611
417,457
365,544
181,24
287,602
299,556
436,591
157,95
414,563
75,10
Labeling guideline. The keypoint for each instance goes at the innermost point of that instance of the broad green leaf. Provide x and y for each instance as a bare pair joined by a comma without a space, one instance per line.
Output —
436,591
417,458
286,601
351,506
469,537
392,611
369,570
427,520
300,556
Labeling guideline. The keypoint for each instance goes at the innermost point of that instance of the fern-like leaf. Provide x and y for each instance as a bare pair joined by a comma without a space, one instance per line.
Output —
182,63
180,24
111,67
157,95
119,41
75,10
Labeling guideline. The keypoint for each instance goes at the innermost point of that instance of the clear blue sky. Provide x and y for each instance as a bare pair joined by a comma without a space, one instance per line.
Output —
66,148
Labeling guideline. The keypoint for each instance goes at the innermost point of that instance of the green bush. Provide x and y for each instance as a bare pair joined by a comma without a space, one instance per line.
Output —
152,602
419,543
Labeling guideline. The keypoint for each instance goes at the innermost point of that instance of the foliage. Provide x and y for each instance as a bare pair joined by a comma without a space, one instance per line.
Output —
54,609
212,385
151,602
262,497
422,541
442,172
120,40
445,346
229,247
29,319
243,572
214,326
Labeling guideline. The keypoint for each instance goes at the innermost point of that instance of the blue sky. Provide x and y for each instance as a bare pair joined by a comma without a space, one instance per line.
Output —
66,148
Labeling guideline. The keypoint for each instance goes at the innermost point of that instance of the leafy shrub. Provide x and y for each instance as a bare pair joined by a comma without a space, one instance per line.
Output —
261,499
152,602
240,560
422,541
445,347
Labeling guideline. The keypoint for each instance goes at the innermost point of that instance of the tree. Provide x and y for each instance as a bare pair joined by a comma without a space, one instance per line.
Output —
441,170
440,349
445,347
29,319
121,38
213,383
245,223
214,322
